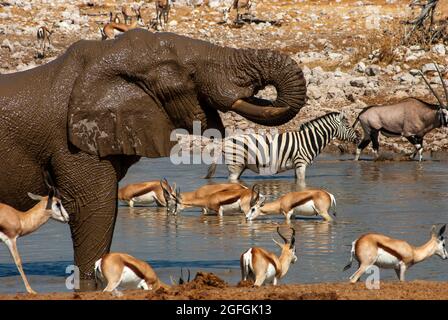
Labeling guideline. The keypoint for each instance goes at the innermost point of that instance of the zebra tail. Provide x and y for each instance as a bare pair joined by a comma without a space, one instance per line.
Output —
211,171
352,254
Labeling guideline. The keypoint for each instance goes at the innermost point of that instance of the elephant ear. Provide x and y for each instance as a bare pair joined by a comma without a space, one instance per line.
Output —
119,103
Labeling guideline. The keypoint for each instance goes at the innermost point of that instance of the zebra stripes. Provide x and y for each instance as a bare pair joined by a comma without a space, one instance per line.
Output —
270,154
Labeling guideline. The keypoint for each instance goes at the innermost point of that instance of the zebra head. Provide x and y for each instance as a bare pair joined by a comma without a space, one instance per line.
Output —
344,131
256,203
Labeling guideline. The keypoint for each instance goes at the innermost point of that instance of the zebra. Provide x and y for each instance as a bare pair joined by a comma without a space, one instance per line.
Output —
270,154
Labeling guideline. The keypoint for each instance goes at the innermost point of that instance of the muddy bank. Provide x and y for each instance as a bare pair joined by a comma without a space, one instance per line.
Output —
209,287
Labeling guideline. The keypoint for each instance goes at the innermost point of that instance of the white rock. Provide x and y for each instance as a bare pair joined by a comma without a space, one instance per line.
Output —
313,92
360,67
439,49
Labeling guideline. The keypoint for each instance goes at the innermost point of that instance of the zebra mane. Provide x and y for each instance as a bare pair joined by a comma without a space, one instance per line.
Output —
311,124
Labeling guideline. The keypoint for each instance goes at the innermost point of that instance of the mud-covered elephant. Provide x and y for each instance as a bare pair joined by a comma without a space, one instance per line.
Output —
90,114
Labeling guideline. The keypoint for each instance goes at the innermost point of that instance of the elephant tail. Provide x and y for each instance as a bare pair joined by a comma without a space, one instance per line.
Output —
211,171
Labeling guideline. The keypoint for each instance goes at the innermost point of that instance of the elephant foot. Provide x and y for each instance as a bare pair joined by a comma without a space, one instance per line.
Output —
87,285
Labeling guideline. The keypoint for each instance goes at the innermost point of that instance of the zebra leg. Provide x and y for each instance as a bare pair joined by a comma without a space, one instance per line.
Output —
235,172
300,173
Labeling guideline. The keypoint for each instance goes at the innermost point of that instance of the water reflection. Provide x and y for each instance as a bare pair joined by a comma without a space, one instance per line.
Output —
402,199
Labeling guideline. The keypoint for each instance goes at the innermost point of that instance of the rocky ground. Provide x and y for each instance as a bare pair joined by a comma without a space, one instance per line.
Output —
349,50
207,286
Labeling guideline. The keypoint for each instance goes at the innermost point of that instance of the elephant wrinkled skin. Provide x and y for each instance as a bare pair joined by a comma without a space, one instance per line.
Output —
94,111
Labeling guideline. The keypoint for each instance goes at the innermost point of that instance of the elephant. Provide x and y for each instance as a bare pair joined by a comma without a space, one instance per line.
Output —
95,110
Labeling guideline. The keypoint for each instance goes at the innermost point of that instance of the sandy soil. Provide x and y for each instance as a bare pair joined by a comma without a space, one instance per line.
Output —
207,286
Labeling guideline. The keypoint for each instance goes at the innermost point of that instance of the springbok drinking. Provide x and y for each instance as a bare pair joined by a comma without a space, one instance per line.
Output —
223,198
306,203
385,252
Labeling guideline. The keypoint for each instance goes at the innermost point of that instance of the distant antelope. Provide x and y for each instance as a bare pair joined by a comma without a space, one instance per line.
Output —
379,250
262,266
108,31
410,118
130,12
43,38
221,199
307,203
142,193
240,4
15,224
114,18
162,11
121,269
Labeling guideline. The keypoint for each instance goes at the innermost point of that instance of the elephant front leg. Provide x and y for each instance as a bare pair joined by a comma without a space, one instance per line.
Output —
92,236
89,192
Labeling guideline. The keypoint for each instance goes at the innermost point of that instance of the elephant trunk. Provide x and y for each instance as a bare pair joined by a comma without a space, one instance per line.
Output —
284,74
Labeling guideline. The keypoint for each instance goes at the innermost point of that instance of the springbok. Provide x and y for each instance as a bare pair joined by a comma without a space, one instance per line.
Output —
162,12
306,203
15,223
142,193
240,4
130,12
114,18
410,118
43,39
384,252
262,266
220,198
121,269
108,31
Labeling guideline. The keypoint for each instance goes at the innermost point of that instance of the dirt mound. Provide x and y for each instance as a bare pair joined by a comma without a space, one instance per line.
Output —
204,280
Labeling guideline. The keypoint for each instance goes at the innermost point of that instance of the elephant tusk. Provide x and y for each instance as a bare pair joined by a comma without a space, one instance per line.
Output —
253,111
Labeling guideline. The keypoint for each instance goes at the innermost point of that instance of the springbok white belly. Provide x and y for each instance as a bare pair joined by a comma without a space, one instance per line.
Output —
232,207
270,273
129,279
3,237
386,260
306,209
146,199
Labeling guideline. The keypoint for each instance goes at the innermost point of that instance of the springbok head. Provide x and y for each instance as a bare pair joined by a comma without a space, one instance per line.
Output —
173,198
288,247
53,201
256,203
440,241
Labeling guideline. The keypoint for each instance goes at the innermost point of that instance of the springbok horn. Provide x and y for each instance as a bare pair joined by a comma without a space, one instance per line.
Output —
164,183
443,84
173,282
432,90
442,230
293,238
281,236
253,200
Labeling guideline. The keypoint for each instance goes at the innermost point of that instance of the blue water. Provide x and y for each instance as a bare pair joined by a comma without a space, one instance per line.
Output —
401,199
